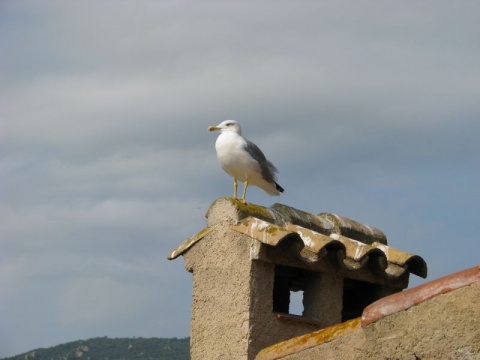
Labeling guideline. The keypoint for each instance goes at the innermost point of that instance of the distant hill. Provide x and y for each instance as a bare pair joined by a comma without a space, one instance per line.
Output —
104,348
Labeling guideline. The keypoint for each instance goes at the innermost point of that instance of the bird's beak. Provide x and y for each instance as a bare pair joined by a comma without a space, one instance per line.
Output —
213,128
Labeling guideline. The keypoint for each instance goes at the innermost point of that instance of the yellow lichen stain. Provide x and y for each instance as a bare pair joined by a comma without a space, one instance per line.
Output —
271,230
254,210
307,341
261,230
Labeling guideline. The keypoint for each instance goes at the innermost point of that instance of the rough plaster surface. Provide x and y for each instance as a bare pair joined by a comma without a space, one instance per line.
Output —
445,327
232,306
232,299
265,328
220,301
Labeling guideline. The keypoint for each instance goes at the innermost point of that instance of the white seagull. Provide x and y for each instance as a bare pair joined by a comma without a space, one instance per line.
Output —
243,160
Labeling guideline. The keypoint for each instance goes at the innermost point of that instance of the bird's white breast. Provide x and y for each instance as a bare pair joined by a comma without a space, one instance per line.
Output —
233,157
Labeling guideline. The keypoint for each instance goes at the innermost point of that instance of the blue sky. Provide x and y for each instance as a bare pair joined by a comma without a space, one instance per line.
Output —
369,109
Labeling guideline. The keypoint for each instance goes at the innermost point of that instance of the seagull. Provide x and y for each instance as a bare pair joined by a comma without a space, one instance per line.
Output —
243,160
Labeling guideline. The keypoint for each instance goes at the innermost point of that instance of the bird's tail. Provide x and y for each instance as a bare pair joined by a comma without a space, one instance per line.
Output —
279,188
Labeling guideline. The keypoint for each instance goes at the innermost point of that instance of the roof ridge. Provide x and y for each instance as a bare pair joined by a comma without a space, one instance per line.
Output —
229,209
408,298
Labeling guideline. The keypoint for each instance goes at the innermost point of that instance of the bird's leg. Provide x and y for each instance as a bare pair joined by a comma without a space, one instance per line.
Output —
235,187
245,184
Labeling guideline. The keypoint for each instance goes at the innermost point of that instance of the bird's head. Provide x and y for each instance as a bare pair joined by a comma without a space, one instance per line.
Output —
227,126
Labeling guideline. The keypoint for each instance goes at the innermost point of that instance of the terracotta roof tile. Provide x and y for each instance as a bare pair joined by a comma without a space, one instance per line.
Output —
411,297
300,343
355,246
357,255
187,244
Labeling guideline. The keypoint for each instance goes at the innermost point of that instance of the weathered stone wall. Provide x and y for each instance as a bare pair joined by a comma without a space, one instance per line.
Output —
232,315
445,327
265,328
220,299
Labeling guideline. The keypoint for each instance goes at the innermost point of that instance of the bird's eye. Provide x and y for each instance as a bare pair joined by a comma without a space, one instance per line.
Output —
229,124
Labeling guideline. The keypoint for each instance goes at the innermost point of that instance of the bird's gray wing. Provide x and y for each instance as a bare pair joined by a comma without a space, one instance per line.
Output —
266,167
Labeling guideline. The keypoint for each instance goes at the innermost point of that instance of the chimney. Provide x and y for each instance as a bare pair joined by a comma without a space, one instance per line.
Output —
250,260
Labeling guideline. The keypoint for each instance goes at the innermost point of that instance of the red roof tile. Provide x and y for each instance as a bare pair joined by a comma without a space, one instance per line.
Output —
411,297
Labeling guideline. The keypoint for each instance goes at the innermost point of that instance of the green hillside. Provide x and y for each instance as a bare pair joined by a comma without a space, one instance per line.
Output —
113,349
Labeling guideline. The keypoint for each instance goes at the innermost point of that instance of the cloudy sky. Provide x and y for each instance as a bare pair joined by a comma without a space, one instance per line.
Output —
370,109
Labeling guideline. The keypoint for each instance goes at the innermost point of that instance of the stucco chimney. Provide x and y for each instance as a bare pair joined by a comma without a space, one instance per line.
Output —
250,259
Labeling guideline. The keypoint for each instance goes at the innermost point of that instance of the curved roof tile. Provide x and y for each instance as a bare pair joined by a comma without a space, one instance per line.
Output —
352,246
